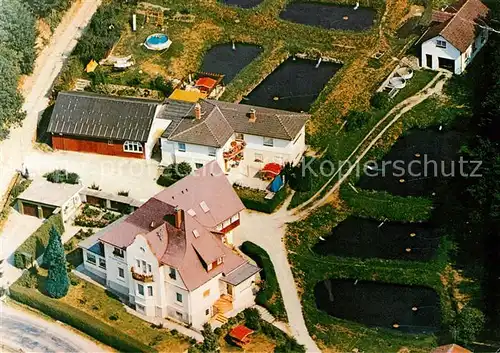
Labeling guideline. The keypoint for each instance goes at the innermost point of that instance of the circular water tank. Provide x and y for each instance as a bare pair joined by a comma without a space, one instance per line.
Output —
397,82
405,72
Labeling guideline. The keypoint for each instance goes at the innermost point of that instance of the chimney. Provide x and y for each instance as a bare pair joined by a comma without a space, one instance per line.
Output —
179,217
251,116
197,111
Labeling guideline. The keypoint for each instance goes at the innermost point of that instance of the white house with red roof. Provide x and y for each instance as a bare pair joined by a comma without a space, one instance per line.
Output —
455,36
172,258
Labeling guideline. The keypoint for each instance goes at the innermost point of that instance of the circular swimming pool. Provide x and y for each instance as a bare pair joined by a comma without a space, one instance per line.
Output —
157,41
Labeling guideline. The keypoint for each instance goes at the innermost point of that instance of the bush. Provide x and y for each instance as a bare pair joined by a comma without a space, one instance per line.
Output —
380,100
174,172
160,84
79,320
356,120
284,343
252,319
62,176
255,199
468,324
269,295
35,245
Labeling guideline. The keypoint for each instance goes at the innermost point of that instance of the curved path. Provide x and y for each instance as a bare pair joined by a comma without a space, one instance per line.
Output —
24,332
268,231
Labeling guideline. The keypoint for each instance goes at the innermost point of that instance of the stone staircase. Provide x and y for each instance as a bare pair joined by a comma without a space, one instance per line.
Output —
265,314
220,318
223,304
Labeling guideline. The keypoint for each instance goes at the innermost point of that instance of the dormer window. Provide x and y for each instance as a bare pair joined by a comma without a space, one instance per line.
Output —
209,267
440,43
219,260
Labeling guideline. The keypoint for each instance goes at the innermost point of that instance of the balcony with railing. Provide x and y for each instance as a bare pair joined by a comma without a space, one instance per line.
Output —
142,277
235,152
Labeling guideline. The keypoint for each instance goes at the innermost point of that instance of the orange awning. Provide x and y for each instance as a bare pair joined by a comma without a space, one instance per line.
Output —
206,82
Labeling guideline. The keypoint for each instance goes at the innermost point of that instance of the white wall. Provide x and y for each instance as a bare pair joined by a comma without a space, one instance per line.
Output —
157,128
69,208
243,294
450,52
140,250
93,268
200,303
194,154
114,262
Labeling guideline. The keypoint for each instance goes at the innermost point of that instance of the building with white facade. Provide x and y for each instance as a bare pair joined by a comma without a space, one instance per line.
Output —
455,36
237,136
172,257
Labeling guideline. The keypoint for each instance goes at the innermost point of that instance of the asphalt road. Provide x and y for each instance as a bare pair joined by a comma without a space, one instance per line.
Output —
22,331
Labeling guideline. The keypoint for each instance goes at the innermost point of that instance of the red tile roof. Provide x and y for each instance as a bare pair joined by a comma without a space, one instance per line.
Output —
240,332
206,82
460,30
451,348
192,247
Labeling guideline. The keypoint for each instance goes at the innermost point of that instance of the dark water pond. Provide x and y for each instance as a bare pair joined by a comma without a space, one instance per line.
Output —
329,16
223,59
365,238
414,309
420,163
293,86
244,4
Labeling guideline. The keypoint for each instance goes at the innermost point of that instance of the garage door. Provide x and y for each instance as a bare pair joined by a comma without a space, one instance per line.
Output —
447,64
47,211
30,210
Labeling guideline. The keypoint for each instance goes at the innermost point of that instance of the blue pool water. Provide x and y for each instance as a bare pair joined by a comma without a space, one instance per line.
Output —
157,39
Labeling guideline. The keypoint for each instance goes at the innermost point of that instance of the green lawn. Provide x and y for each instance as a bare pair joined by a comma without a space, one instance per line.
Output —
340,335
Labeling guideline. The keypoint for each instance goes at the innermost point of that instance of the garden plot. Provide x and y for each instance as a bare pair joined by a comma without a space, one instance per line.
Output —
245,4
364,238
294,85
328,16
425,161
229,59
411,309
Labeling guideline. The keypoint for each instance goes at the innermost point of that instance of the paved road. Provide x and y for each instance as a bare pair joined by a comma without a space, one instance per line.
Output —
23,331
14,150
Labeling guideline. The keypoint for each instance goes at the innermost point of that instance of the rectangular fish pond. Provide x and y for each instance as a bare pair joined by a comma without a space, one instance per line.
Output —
294,85
330,16
410,309
244,4
229,59
419,164
366,238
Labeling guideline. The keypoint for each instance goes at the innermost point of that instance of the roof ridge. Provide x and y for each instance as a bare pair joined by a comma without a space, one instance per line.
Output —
454,15
208,126
179,124
284,127
110,97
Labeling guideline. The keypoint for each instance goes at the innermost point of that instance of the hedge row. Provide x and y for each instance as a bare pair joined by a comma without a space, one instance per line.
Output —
254,199
35,245
269,295
79,320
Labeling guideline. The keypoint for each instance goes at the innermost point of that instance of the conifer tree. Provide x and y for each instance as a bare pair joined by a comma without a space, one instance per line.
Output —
57,284
54,248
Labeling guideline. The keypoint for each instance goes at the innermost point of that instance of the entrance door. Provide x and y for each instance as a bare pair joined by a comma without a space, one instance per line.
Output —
428,61
230,289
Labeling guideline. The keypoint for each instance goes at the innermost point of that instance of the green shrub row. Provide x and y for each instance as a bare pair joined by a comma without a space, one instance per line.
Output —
382,205
255,199
79,320
269,295
34,246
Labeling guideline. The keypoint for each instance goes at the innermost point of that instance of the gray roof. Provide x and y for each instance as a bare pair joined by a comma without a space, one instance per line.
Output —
221,119
92,115
112,197
44,192
240,274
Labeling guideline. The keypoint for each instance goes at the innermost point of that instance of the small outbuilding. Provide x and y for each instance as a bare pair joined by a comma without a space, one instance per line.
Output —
239,335
43,198
451,348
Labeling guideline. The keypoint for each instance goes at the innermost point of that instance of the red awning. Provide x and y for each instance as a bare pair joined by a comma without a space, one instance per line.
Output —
240,332
206,82
272,168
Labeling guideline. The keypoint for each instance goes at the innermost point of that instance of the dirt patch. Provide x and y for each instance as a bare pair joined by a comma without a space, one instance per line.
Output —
153,70
44,34
413,309
193,40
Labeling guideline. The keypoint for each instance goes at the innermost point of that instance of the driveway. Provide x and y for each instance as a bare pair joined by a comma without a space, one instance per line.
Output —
35,90
268,231
111,173
23,332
